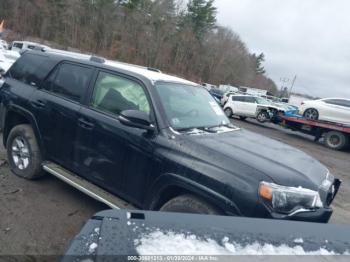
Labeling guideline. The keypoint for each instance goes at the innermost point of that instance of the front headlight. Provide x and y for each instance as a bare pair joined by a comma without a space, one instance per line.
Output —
285,200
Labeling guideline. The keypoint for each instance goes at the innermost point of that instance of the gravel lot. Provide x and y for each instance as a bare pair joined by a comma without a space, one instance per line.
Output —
41,217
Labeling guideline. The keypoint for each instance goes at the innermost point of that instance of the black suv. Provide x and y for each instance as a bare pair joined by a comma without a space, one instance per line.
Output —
157,141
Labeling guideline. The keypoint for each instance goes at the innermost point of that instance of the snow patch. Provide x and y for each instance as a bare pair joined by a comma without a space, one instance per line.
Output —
170,243
97,230
92,247
298,240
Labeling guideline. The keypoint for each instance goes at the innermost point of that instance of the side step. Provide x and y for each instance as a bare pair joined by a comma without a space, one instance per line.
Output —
86,187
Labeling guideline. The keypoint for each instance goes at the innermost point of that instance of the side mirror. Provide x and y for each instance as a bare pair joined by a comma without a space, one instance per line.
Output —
136,118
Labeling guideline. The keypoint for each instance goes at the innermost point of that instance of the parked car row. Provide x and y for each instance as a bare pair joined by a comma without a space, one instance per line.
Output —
157,141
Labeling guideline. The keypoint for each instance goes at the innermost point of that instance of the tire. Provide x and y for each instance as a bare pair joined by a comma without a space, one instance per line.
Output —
336,140
189,204
262,117
228,112
311,113
23,153
242,118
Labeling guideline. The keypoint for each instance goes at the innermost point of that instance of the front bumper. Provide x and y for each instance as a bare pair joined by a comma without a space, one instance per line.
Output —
321,215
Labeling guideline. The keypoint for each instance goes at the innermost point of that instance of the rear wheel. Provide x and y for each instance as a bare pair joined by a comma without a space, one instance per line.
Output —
23,152
228,112
336,140
189,204
311,113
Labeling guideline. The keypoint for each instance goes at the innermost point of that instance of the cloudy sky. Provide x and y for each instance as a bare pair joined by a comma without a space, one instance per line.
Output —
307,38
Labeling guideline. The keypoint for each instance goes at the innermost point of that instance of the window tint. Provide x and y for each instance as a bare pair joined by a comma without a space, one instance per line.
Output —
70,81
248,99
338,102
114,94
30,69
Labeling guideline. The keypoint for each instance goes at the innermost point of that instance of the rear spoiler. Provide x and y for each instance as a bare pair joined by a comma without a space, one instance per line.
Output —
118,235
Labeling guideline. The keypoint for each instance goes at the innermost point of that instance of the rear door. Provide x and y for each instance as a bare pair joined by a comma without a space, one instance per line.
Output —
112,155
337,110
56,106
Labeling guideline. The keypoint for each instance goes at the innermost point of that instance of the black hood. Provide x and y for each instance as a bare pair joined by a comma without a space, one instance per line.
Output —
283,164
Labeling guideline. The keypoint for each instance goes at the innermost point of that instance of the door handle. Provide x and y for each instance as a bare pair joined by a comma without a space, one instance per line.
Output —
85,123
39,104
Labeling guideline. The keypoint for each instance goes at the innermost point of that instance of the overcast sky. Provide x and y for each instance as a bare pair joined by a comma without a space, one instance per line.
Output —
307,38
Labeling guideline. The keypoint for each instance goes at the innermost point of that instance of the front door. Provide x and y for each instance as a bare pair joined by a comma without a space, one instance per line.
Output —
114,156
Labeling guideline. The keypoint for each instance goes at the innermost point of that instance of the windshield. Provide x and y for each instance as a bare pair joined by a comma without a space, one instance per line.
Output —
262,101
190,106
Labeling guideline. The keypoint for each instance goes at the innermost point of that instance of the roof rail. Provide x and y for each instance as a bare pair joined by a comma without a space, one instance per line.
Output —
153,69
97,59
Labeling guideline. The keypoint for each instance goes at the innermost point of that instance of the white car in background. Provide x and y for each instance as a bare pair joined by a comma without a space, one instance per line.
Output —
251,106
7,58
335,110
21,46
4,44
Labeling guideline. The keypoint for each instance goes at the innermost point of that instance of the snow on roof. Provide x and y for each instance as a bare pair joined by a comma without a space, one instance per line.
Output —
144,71
151,75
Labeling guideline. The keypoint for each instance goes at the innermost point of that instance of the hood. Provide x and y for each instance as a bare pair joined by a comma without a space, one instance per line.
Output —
283,164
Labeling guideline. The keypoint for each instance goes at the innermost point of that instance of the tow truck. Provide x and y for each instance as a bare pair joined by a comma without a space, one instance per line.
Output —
336,136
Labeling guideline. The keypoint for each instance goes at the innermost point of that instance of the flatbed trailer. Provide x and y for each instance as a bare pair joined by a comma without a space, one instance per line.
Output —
336,136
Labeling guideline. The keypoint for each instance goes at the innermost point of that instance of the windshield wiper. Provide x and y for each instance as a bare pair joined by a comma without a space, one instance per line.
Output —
209,129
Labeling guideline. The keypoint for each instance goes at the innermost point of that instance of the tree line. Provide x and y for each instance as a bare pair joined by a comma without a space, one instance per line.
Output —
177,37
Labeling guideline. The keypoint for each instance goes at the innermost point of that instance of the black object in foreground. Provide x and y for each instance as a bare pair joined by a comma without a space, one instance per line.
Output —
119,235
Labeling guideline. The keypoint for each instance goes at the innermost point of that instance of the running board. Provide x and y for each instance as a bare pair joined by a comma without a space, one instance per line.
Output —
86,187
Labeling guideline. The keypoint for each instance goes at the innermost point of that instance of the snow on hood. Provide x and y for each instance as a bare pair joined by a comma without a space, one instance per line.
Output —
170,243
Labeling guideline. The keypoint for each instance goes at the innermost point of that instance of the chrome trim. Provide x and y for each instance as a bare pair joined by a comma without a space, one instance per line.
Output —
79,187
300,210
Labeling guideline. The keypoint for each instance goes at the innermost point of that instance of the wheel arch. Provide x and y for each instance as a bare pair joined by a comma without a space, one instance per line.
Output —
170,185
15,115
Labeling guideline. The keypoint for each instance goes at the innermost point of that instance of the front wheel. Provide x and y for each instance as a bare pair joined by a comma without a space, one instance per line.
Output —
23,152
228,112
189,204
262,116
311,113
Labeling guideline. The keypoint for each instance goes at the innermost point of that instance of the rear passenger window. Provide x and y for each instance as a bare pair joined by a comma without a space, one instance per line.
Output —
249,99
338,102
114,94
70,81
29,69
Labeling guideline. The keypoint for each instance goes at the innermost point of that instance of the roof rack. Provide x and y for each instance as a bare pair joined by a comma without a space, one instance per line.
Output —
97,59
153,69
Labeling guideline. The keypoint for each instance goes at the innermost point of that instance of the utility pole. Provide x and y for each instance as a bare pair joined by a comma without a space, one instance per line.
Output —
291,87
284,81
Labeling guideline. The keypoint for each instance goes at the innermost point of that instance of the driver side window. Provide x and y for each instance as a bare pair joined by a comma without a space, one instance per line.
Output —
114,94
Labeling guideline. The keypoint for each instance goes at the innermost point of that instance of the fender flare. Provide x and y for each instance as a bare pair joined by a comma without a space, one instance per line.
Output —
27,115
168,180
